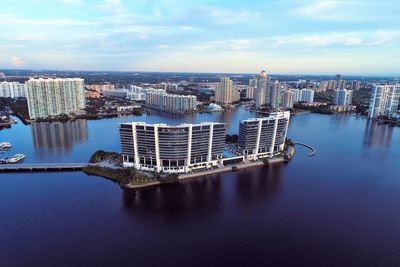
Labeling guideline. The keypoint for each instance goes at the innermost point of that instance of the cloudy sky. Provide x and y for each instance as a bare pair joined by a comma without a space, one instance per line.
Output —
282,36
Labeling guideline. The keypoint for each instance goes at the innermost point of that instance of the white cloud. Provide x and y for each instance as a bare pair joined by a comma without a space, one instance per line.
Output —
72,2
228,16
16,62
334,10
7,19
337,39
316,8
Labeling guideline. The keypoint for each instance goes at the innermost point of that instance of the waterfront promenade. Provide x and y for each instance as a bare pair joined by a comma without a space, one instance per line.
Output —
219,170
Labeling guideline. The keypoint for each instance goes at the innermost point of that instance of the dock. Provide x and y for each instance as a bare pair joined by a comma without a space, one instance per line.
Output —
32,167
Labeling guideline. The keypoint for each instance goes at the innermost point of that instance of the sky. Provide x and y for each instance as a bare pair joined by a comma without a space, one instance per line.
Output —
354,37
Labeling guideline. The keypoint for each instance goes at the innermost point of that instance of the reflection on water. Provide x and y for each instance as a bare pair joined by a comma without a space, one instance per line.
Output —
50,137
204,195
340,120
377,134
175,200
259,183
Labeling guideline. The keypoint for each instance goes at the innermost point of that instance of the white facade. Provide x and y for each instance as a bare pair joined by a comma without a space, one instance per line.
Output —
52,97
307,95
287,99
296,95
12,89
170,102
263,137
172,148
225,93
343,97
138,93
262,93
384,100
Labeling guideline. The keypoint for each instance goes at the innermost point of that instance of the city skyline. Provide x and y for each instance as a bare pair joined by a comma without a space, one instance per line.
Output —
302,37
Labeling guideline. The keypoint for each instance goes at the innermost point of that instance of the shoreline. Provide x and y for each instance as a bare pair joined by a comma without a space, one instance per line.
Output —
213,171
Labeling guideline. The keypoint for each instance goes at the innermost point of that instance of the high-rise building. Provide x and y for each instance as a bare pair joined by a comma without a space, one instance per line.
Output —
331,85
287,99
12,89
224,92
263,91
276,91
323,86
343,97
253,82
355,85
52,97
296,95
307,95
384,100
172,149
337,78
250,92
263,137
341,84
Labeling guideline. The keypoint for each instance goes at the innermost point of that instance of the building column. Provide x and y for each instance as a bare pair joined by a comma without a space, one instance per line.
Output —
135,146
209,157
274,135
189,151
258,137
156,144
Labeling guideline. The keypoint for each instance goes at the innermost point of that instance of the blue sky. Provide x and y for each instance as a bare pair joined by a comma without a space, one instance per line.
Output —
282,36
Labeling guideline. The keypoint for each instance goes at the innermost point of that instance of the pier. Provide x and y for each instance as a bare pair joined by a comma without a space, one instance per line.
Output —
313,150
42,167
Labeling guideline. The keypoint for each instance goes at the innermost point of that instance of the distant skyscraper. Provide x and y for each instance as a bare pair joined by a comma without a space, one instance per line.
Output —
343,97
250,92
52,97
331,85
342,84
384,100
287,99
225,94
276,91
253,82
262,93
307,95
296,95
337,77
323,86
355,85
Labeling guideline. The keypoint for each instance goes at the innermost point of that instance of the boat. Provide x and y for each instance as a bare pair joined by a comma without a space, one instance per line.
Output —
5,146
14,159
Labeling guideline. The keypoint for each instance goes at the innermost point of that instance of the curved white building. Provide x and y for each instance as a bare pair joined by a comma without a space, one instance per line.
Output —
172,148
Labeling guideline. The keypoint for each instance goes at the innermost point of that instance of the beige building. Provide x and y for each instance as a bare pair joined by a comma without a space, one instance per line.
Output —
225,94
52,97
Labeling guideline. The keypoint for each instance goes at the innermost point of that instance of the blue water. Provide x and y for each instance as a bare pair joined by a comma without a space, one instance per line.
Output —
338,208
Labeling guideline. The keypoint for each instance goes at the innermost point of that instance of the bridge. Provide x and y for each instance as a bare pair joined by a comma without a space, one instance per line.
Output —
313,150
42,167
